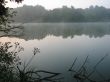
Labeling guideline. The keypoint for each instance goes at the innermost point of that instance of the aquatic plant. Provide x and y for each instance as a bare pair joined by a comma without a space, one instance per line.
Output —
83,74
13,70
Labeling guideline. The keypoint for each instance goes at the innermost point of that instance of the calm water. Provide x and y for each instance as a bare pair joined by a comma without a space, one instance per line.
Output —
61,43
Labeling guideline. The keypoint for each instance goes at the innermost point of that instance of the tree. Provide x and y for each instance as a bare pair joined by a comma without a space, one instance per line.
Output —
3,9
5,15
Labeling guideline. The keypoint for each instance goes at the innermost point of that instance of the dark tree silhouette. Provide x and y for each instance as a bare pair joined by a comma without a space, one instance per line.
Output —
6,14
3,9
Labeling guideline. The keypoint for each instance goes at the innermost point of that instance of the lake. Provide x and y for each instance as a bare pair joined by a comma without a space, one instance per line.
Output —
61,43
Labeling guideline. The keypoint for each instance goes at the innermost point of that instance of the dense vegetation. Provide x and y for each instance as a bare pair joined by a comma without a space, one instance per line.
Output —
64,14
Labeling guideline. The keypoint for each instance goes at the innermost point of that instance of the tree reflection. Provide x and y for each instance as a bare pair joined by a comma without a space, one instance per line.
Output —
65,30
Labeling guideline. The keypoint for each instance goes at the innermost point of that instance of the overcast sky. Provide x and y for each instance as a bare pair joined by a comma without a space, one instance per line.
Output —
50,4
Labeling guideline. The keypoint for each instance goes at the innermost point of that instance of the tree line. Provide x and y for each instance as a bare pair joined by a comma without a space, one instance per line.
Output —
65,14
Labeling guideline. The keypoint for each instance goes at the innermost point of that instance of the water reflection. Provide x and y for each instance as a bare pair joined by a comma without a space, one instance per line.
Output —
61,43
41,30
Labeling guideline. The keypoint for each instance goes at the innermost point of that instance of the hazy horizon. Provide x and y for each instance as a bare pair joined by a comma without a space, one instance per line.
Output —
49,4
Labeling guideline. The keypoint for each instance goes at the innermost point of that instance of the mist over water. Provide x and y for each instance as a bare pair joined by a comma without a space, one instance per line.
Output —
41,30
61,43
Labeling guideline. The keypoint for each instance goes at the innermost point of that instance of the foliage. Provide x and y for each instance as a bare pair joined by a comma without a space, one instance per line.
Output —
13,70
6,14
4,11
8,59
64,14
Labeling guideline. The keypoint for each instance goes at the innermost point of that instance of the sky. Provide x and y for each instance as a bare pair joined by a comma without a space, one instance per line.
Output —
51,4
